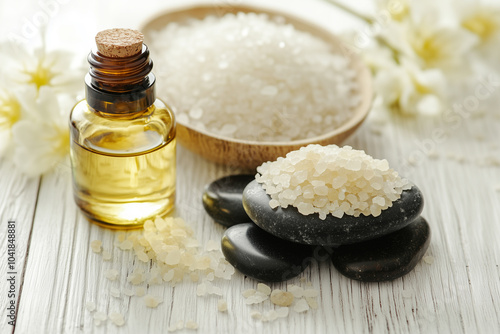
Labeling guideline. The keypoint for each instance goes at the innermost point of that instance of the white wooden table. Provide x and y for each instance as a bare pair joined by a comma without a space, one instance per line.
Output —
57,273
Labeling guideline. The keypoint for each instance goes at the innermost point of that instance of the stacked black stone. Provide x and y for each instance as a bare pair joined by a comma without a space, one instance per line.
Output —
364,248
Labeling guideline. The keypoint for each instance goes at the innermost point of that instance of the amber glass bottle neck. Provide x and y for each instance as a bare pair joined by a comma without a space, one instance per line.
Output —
120,85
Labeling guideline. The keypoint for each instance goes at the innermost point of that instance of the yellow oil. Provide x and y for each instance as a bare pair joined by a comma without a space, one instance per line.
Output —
121,188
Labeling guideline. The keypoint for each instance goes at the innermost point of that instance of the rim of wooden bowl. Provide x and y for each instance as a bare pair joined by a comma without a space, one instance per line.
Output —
248,153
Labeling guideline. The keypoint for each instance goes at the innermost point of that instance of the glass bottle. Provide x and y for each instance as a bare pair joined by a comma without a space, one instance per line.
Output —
123,147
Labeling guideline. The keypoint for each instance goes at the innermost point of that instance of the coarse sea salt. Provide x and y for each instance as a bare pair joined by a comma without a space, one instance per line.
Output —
331,180
174,253
253,77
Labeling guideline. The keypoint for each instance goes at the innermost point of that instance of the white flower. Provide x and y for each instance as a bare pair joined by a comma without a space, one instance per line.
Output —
410,89
426,35
439,47
483,21
399,10
10,113
42,138
39,68
379,57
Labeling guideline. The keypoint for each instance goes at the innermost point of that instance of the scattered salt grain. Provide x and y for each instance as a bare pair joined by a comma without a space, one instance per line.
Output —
114,292
152,301
429,259
222,305
282,312
106,256
201,290
168,244
142,256
191,325
311,293
301,306
111,274
282,298
270,315
140,291
127,244
90,306
248,293
312,302
265,289
331,180
117,318
212,245
100,316
128,292
96,246
245,65
256,315
296,290
257,298
120,236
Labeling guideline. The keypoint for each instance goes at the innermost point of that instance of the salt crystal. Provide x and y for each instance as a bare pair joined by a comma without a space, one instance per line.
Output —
128,292
256,315
201,289
106,256
350,183
301,306
142,256
90,306
101,316
111,274
212,245
271,315
282,312
196,113
173,257
311,293
429,259
254,56
269,90
117,318
296,290
96,246
191,324
265,289
125,245
313,304
222,305
152,301
282,298
120,236
140,291
248,293
169,275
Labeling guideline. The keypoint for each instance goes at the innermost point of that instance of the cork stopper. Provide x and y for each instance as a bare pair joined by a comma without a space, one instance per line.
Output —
119,43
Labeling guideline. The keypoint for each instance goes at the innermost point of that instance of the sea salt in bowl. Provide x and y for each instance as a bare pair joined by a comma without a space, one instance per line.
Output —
245,153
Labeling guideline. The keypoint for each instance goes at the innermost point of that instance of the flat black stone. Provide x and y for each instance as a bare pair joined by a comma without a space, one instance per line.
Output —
222,199
385,258
289,224
262,256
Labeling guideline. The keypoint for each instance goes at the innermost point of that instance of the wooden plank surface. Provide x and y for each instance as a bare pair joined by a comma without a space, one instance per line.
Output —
458,293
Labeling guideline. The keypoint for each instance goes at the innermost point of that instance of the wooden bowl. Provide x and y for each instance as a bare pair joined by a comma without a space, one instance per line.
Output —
250,154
